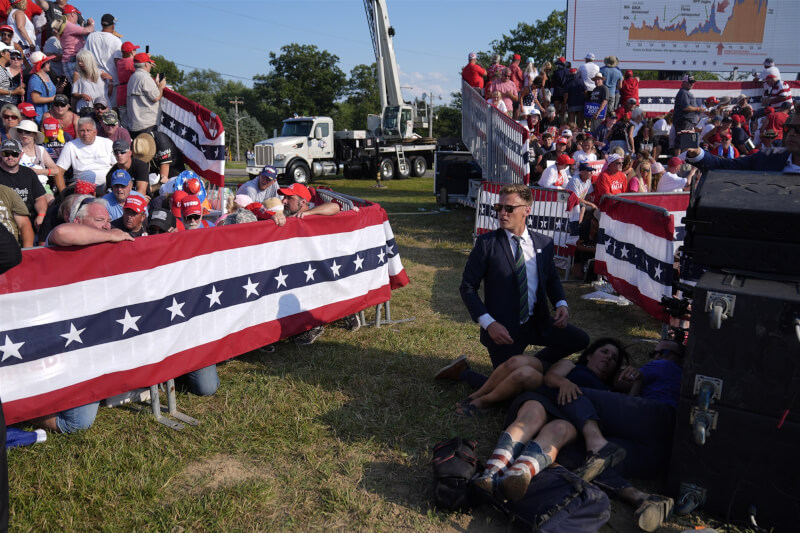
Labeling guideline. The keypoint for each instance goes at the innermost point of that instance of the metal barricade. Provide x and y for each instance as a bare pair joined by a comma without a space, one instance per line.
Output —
498,143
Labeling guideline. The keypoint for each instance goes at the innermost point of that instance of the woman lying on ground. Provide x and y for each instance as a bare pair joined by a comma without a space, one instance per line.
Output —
595,368
535,415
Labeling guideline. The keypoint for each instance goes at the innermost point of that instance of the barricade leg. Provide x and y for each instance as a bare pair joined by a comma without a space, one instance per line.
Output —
171,408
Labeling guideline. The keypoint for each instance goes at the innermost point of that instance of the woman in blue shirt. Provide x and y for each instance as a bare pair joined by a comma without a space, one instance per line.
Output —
41,89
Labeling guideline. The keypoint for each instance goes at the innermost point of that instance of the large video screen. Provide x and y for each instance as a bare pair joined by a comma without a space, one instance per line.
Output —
694,35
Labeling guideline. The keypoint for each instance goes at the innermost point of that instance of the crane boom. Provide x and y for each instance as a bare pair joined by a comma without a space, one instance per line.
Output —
382,33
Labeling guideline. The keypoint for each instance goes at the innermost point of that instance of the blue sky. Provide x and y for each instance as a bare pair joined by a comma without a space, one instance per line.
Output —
235,37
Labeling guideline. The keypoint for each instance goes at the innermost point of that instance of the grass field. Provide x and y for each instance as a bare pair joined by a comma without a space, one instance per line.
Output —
335,435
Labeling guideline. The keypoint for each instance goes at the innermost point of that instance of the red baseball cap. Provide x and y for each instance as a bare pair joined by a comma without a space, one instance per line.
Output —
142,57
135,203
50,126
128,47
737,118
711,100
769,109
296,189
190,205
6,27
562,140
67,9
674,162
27,109
564,159
517,56
175,204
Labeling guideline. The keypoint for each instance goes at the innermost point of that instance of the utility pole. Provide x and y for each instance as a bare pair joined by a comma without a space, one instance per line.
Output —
430,117
236,101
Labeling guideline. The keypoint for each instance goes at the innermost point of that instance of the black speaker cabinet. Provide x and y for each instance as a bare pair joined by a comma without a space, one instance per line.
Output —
737,435
745,221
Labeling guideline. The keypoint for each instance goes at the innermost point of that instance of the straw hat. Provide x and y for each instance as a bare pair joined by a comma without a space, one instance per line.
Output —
611,61
144,147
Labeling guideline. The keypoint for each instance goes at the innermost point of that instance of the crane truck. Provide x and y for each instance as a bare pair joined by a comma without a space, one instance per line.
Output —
310,147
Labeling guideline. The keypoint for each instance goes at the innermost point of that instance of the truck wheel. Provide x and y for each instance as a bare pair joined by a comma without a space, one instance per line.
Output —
403,175
299,173
387,169
418,166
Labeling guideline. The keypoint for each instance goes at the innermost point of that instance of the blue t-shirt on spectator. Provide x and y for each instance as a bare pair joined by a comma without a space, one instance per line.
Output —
661,381
611,77
46,90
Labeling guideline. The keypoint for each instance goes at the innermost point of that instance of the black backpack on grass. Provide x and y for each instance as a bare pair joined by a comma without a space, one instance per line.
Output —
454,464
557,501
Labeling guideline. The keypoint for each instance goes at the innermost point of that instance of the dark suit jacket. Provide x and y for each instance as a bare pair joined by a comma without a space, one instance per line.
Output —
774,161
492,262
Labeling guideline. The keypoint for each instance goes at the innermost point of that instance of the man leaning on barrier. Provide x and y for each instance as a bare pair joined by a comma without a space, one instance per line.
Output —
516,265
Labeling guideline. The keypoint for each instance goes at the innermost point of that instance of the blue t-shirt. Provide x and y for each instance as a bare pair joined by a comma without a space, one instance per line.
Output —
661,381
35,83
114,209
611,77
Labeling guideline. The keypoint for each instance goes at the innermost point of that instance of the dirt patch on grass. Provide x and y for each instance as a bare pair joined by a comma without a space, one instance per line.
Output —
216,472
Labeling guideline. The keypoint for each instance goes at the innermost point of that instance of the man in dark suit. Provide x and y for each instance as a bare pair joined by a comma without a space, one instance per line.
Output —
519,275
786,159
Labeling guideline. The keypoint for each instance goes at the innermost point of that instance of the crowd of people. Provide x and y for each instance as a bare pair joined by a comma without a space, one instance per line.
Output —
82,161
589,135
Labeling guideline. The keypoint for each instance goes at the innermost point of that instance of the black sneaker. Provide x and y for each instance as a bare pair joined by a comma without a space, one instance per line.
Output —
309,336
352,322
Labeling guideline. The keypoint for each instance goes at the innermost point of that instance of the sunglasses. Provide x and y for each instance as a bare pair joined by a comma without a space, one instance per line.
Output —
507,208
16,57
59,104
10,117
120,152
155,230
98,107
191,218
9,153
791,127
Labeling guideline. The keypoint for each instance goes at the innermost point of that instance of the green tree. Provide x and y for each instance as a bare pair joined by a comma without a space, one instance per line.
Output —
250,131
363,96
448,118
203,86
303,80
173,73
543,40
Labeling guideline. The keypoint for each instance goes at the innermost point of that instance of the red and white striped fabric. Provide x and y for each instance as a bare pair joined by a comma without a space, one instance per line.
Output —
197,132
80,325
636,247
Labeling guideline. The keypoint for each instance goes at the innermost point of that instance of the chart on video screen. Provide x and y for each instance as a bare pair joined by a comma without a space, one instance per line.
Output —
698,35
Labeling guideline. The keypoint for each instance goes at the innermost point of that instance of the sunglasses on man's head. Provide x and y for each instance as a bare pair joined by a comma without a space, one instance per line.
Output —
507,208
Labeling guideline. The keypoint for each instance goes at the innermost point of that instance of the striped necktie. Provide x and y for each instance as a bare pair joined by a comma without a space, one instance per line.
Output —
522,280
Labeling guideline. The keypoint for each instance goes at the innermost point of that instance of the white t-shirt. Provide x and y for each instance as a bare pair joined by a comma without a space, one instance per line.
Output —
89,162
552,178
670,182
660,127
587,72
501,105
105,46
251,189
92,88
579,187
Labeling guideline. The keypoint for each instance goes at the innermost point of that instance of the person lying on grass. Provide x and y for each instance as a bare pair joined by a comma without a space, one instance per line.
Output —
538,430
595,369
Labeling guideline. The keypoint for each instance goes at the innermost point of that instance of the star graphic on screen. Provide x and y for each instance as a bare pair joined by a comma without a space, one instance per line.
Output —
335,268
250,288
309,272
213,296
11,349
281,279
129,322
176,309
358,262
74,334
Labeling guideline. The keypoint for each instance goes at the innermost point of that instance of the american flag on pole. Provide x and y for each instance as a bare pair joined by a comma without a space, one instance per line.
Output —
81,324
658,97
636,247
198,134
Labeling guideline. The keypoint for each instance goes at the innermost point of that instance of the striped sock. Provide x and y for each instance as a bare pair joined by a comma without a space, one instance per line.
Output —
533,459
505,452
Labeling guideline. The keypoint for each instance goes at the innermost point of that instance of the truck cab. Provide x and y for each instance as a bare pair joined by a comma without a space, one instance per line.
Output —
304,150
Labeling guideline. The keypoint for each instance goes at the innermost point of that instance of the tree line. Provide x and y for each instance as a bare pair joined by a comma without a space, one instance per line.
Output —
305,80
